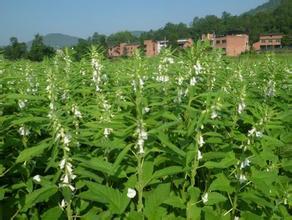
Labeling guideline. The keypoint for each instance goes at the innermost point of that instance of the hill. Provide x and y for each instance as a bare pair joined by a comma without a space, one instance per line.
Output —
269,6
57,40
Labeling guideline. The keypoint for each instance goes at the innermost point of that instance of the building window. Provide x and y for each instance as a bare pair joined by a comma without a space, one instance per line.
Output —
278,41
263,41
217,41
223,41
270,41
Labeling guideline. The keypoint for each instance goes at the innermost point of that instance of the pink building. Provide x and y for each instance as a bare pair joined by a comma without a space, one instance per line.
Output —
152,47
268,41
233,45
123,49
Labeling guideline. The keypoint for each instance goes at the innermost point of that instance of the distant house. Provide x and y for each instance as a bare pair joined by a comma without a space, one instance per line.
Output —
233,45
122,49
209,38
268,42
152,47
185,43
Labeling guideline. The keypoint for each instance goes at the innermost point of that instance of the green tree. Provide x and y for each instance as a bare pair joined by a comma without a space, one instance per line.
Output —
99,40
81,49
121,37
39,50
15,50
287,40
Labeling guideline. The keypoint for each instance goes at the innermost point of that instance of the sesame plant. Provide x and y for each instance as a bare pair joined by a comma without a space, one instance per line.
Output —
179,136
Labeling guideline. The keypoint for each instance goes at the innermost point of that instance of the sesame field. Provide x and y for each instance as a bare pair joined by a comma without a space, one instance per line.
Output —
180,136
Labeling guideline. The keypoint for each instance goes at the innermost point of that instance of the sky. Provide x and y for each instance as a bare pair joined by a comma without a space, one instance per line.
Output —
81,18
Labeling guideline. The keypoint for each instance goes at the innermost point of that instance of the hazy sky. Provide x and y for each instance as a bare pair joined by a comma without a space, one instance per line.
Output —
24,18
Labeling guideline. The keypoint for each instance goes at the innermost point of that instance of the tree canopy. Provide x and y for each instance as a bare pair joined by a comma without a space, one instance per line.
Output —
15,50
39,50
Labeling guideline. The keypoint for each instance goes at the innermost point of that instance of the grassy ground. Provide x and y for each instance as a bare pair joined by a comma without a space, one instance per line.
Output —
281,57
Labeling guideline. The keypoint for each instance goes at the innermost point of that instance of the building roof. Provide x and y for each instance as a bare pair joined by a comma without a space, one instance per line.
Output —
271,34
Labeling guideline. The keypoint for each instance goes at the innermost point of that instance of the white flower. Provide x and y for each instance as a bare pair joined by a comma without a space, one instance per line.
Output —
236,218
131,193
22,103
271,90
241,107
23,131
200,140
62,164
162,78
193,81
63,204
214,115
76,111
143,134
205,198
200,156
106,106
242,178
289,71
71,187
107,132
251,132
146,109
64,96
259,134
67,139
180,80
245,163
97,89
168,60
37,178
52,106
65,179
69,167
141,83
141,146
198,68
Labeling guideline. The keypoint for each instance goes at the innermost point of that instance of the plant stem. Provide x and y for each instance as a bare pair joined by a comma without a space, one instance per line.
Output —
140,183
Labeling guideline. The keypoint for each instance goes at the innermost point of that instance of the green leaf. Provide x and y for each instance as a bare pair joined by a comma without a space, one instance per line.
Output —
215,198
121,157
133,215
155,199
287,165
92,214
2,169
194,194
268,141
39,195
214,140
52,213
174,201
255,198
228,161
31,152
167,171
221,183
85,173
116,201
2,194
193,211
248,215
164,140
147,172
97,164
